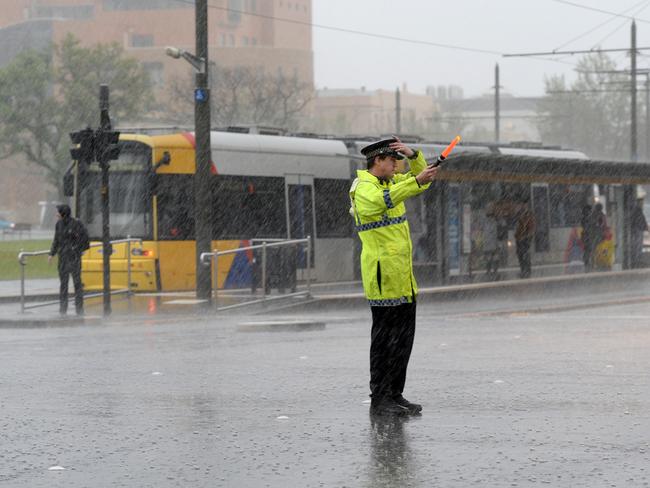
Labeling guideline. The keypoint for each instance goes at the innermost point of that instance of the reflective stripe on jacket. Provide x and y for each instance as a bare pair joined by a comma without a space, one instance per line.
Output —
380,219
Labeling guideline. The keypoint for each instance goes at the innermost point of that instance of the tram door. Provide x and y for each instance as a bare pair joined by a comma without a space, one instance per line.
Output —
541,211
301,217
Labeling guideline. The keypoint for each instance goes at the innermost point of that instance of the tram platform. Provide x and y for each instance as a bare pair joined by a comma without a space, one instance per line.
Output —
541,293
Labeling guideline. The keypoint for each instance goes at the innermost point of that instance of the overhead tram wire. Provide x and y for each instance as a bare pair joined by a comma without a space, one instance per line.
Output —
350,31
581,51
594,9
623,24
578,92
601,24
367,34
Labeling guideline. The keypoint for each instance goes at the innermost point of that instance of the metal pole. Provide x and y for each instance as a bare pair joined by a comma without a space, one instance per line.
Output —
202,175
215,270
647,117
309,265
398,112
264,269
497,104
22,284
128,265
633,130
107,249
628,207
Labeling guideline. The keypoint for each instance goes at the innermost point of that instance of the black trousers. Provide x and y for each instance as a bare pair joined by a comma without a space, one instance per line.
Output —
391,342
69,267
523,254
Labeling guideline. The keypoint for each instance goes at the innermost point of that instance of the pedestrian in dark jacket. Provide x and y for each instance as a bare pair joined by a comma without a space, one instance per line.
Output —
70,241
524,234
639,226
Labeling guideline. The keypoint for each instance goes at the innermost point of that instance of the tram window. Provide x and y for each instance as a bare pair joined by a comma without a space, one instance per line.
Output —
332,208
249,207
175,207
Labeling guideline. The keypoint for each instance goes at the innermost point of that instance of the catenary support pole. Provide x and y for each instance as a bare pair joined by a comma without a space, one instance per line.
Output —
202,176
398,111
497,104
107,249
633,130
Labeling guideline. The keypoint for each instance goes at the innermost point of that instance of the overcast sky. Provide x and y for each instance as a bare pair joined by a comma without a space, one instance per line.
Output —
344,60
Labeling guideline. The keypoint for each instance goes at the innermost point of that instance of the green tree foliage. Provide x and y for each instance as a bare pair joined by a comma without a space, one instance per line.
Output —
46,95
593,114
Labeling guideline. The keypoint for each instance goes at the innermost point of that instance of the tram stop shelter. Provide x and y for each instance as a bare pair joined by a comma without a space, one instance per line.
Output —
449,240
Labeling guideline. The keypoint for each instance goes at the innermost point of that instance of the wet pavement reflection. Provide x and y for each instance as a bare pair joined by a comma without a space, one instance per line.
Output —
559,399
391,459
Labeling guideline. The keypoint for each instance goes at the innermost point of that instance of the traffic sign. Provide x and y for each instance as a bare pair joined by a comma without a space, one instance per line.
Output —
200,95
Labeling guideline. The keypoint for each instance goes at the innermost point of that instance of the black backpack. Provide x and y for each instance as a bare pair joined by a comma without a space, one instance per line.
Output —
82,233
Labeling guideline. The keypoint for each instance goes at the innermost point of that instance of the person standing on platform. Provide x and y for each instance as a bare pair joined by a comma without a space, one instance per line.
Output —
524,233
70,241
639,226
377,198
588,237
491,250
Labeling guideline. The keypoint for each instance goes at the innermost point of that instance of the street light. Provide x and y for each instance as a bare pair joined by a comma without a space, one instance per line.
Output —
202,175
195,61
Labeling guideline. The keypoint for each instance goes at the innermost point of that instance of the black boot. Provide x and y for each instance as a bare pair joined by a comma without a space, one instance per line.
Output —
413,408
386,406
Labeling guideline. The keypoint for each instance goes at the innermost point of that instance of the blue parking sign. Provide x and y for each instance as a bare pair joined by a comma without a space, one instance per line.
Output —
200,95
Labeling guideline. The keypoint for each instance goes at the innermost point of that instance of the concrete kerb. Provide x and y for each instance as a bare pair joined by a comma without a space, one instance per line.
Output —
577,287
30,321
546,287
44,297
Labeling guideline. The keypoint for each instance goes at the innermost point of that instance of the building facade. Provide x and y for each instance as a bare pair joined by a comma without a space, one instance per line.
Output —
476,117
372,112
241,33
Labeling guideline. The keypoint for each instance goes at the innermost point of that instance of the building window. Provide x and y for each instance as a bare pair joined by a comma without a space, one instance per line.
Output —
144,4
155,72
64,11
234,11
141,40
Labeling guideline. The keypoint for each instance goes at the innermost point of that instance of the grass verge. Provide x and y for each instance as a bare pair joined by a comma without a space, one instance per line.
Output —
37,266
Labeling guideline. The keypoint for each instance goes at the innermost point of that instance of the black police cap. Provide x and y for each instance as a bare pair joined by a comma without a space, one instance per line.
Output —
381,148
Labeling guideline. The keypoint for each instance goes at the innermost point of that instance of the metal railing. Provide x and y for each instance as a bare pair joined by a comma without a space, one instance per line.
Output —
208,258
23,264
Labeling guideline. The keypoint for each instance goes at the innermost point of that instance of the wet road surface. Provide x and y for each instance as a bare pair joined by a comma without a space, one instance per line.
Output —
515,399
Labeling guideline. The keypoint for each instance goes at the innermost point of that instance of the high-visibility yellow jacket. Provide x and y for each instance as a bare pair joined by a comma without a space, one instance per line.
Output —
380,218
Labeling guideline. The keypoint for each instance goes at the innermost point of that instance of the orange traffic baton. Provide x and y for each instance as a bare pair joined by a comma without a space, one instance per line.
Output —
448,149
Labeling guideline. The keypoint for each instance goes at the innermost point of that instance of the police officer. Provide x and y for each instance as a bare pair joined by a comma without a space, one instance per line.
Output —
70,241
377,204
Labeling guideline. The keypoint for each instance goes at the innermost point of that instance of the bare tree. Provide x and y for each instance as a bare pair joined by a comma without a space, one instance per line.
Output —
592,114
243,96
44,95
